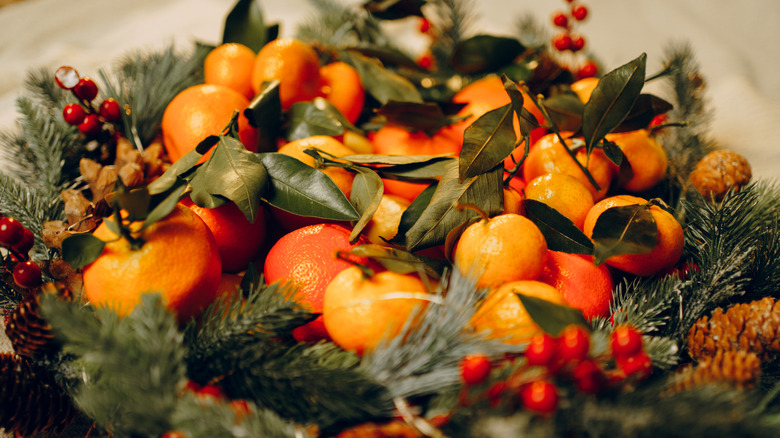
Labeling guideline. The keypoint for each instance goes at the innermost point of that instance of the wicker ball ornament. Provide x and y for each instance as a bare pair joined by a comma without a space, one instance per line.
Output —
720,172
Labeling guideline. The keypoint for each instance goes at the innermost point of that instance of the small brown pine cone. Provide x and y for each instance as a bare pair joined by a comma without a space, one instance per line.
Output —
31,335
752,327
719,172
30,401
736,369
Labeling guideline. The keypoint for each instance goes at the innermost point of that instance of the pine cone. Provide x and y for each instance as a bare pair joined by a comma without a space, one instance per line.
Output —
30,401
752,327
737,369
719,172
31,335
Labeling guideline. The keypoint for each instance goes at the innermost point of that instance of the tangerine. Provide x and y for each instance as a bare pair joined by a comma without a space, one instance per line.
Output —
294,64
583,285
564,193
383,225
179,259
646,156
343,88
584,87
230,64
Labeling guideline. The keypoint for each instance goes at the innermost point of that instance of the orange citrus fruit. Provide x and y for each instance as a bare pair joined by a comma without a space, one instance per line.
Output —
564,193
200,111
584,87
647,158
503,316
513,201
342,87
505,248
549,156
179,259
231,64
306,258
294,64
583,285
383,225
668,248
239,241
361,312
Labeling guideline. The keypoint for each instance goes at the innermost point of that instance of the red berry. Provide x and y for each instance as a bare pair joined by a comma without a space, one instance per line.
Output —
425,25
588,70
28,274
174,434
577,43
91,125
425,60
25,244
86,89
110,110
573,343
474,369
495,392
11,231
626,341
73,114
589,377
539,396
66,77
579,12
561,20
210,391
658,120
639,364
562,42
541,349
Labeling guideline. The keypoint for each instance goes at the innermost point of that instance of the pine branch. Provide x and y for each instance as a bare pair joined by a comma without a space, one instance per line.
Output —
131,367
453,21
146,82
339,26
31,208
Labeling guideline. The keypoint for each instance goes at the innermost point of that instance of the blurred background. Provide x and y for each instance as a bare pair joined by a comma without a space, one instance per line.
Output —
737,45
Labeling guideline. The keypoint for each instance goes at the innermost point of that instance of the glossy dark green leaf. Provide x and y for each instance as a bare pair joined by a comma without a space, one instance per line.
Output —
559,231
397,160
165,205
265,113
427,117
182,167
303,190
442,215
527,121
485,53
413,213
388,55
487,142
252,279
234,173
307,119
79,250
628,229
565,110
245,24
612,99
552,317
367,190
381,83
646,107
400,261
135,202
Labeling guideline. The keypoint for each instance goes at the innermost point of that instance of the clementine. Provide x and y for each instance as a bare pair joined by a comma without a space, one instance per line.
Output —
646,156
230,64
583,88
564,193
294,64
582,284
343,88
383,225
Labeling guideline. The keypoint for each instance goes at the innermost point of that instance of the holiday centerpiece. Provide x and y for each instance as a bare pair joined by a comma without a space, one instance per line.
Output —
323,236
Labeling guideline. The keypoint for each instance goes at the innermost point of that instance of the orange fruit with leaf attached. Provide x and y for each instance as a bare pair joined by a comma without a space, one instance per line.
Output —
362,312
239,241
549,155
669,243
582,284
383,225
342,87
200,111
502,315
564,193
179,259
230,64
502,249
306,258
294,64
646,156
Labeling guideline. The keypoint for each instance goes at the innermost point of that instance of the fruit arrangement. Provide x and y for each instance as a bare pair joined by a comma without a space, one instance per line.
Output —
324,236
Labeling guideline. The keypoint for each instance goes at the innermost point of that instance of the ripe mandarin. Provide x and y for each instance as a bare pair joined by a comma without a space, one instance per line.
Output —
294,64
343,88
564,193
647,158
231,64
583,285
383,225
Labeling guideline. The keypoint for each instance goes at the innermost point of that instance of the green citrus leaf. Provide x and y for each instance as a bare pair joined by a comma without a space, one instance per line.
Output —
628,229
304,190
565,110
135,202
414,116
646,107
412,213
265,113
394,9
308,119
526,120
485,53
388,55
551,317
397,160
442,215
380,82
400,261
165,205
245,24
233,173
79,250
486,142
182,167
612,99
559,231
367,189
252,279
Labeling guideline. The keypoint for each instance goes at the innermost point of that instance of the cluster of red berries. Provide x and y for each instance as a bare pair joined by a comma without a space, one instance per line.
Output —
566,357
84,115
18,241
569,40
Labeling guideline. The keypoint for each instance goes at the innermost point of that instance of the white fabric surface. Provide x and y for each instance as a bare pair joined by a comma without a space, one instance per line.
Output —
736,45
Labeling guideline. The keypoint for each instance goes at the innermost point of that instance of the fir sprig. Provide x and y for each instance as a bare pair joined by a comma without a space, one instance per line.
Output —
453,20
337,25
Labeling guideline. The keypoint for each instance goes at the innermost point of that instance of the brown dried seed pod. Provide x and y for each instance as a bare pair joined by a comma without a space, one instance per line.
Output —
719,172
